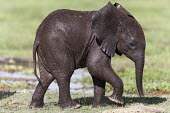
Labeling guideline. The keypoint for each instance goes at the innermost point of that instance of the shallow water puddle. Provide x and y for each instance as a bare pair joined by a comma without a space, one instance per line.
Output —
18,81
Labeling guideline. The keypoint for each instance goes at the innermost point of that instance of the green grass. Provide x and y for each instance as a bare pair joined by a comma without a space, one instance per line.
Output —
18,102
19,21
16,85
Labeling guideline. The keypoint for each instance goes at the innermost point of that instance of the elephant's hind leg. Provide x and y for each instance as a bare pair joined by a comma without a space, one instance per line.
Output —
63,80
38,96
61,64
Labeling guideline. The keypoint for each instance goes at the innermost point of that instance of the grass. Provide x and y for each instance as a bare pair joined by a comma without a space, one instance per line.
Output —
19,21
14,86
18,102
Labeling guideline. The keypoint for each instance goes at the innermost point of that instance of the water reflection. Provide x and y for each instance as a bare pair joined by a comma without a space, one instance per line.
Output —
20,78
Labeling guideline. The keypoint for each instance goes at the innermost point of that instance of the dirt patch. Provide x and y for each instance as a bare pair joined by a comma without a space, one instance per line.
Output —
158,92
126,110
151,93
16,61
16,83
148,108
6,89
137,109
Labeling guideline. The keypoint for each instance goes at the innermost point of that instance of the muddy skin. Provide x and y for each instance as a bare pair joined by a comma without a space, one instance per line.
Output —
67,40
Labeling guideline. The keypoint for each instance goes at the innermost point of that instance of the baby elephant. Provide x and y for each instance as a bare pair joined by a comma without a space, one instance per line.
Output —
67,40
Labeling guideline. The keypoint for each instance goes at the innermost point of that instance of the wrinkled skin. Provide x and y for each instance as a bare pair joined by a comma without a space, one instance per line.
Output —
67,40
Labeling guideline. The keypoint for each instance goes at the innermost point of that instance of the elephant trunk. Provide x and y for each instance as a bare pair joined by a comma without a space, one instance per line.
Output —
139,65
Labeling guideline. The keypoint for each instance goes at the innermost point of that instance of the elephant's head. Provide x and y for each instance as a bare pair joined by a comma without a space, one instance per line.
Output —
117,31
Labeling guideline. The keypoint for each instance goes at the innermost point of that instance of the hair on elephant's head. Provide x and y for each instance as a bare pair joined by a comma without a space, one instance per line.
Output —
117,31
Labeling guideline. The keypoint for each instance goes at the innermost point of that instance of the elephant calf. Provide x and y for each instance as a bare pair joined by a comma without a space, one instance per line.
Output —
67,40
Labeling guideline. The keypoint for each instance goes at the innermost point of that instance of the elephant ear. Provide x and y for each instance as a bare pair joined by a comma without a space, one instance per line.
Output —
120,8
106,28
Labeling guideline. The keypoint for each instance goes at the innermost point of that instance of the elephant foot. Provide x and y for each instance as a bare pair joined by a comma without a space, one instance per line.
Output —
70,105
36,104
99,105
116,99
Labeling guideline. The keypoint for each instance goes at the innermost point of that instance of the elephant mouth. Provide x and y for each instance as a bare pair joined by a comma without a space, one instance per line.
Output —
118,52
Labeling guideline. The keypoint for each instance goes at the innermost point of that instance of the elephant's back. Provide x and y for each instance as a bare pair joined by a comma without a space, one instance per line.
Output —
65,23
67,28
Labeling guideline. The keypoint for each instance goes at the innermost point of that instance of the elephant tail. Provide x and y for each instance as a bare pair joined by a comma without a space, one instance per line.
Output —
35,48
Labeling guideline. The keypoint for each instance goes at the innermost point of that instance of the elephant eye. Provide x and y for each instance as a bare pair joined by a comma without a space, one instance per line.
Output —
132,45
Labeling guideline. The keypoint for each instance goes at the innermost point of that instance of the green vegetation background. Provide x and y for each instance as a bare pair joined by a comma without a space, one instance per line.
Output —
19,20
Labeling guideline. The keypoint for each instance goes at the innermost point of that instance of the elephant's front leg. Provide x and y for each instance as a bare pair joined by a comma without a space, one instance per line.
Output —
117,84
99,65
99,92
108,75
